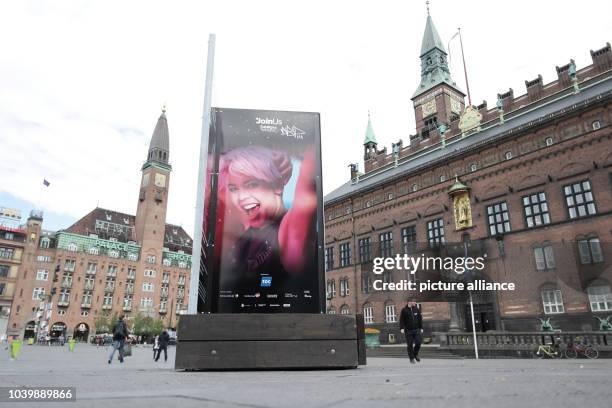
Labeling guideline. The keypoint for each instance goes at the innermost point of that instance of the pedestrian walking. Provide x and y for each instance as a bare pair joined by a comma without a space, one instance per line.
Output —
163,340
120,333
411,324
71,344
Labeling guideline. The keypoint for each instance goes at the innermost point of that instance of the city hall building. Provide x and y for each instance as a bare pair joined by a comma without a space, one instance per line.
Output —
104,264
527,184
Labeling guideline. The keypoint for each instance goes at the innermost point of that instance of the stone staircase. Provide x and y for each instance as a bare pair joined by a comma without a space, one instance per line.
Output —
399,350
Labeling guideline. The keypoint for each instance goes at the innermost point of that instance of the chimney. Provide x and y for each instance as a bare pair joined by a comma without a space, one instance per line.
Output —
534,89
602,58
563,75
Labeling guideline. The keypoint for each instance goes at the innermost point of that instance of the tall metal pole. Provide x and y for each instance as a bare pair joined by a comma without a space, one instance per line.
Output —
194,281
467,84
465,254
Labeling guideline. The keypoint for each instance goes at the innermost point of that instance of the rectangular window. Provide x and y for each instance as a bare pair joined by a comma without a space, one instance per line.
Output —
544,257
2,286
366,282
149,273
552,301
6,253
329,258
499,219
536,210
600,298
579,199
108,300
368,315
42,274
112,270
435,232
331,289
146,303
386,244
4,271
69,265
345,254
344,287
390,316
132,256
64,296
86,299
89,283
91,267
127,302
365,250
151,259
43,258
590,251
131,273
38,293
409,240
147,287
166,277
181,280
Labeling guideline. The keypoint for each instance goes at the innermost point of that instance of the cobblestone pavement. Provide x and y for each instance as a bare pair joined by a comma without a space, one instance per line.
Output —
384,382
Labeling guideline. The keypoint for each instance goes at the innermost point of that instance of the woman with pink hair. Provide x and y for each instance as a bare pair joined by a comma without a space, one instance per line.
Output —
268,239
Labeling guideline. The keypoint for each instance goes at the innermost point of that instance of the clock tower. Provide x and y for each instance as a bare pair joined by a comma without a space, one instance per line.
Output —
437,100
153,195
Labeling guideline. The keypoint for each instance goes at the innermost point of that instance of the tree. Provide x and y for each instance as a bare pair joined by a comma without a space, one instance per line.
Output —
146,326
102,324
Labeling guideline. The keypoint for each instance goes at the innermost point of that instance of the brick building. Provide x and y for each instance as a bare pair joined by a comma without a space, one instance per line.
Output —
12,241
527,183
107,262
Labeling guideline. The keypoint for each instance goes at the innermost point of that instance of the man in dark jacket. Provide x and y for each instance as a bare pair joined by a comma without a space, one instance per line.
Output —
162,342
411,324
120,333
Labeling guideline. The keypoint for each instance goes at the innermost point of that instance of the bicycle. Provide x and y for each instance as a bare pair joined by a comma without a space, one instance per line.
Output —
574,349
548,350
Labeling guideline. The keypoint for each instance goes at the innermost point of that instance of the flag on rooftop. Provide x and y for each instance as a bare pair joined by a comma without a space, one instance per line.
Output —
46,183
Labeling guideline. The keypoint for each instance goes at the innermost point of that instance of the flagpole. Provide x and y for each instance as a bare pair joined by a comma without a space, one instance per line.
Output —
194,280
467,84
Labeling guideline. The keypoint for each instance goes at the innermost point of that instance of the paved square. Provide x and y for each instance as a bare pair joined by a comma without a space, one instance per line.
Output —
384,382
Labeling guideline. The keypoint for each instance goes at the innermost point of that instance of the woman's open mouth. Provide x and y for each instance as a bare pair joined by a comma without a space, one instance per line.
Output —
251,208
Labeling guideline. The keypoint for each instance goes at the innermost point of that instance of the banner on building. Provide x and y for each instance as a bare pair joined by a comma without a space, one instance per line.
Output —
263,214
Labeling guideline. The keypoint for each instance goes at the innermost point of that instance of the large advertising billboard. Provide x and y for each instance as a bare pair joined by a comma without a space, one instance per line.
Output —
263,214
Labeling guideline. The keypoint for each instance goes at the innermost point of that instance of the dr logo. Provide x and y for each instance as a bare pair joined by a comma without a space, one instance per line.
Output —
266,281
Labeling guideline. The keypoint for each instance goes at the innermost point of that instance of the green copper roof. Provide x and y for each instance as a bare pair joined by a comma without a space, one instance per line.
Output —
434,64
369,137
431,39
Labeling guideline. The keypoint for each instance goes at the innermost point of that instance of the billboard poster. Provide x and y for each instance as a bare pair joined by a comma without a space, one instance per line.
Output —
263,214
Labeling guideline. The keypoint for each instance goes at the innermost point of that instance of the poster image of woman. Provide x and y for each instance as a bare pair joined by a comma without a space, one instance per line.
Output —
267,203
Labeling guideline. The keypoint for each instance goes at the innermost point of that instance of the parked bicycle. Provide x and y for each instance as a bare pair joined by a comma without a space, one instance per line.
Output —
577,347
549,350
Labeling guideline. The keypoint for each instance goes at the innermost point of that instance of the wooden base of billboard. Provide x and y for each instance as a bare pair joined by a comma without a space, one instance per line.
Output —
269,341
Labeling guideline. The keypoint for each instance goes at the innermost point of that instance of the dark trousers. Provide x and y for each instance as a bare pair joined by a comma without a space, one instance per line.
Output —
159,350
413,342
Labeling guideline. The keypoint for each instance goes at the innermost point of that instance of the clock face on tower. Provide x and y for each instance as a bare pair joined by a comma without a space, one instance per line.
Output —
429,107
160,180
455,106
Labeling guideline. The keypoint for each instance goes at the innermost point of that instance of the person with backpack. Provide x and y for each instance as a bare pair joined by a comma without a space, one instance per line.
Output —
120,333
163,341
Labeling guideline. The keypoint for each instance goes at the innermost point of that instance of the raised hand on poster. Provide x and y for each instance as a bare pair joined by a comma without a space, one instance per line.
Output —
296,226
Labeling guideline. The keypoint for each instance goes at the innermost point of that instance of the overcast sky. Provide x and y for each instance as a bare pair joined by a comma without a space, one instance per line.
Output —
82,82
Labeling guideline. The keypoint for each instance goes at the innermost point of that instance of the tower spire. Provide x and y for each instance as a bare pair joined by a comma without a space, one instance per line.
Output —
434,64
159,147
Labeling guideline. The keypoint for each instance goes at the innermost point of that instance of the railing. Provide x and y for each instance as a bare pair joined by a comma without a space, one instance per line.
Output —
66,284
163,310
129,290
110,288
89,286
107,307
63,303
127,308
521,340
86,305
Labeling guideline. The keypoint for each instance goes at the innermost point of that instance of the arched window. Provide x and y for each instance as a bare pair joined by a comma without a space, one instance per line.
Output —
344,310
